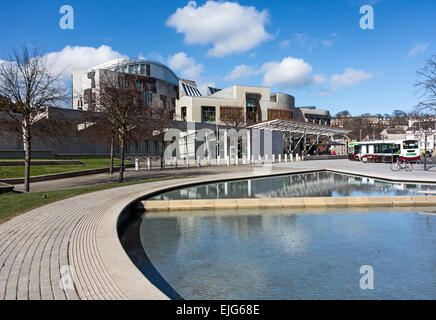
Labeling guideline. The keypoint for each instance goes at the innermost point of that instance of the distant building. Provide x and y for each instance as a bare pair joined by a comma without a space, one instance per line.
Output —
393,133
311,114
372,120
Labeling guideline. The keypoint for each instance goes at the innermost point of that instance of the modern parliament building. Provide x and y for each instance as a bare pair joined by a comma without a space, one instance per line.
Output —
214,109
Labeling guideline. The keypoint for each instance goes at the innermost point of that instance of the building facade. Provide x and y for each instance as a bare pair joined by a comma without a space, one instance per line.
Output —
158,84
253,104
313,115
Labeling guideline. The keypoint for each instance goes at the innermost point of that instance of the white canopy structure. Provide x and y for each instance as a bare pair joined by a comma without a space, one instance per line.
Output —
299,127
298,131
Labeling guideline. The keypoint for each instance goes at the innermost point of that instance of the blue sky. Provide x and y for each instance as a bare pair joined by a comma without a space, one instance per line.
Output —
314,50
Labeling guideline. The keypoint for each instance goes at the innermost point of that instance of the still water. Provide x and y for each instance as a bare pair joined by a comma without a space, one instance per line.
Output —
268,255
314,184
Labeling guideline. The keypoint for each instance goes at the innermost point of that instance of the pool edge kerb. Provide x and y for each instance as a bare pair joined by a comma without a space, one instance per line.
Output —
122,270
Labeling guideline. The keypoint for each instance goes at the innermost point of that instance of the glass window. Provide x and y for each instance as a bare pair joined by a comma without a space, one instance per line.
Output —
148,69
410,144
207,114
142,70
138,85
378,148
183,113
131,68
386,148
146,99
250,102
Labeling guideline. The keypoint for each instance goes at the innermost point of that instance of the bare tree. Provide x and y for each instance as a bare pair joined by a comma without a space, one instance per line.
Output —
158,121
100,129
343,114
29,87
233,116
118,99
426,85
424,127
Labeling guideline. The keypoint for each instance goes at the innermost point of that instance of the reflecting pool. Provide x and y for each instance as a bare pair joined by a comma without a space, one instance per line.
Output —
247,254
314,184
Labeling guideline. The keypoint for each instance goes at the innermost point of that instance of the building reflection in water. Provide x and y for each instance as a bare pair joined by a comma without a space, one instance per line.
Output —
315,184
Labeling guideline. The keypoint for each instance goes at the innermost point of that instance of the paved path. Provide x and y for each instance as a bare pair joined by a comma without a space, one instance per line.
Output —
379,169
35,246
129,175
81,232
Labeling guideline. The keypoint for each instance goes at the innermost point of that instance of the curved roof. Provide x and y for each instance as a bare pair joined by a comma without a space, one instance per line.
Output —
159,71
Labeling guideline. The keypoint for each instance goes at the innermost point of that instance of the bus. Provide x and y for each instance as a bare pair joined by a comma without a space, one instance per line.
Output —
384,151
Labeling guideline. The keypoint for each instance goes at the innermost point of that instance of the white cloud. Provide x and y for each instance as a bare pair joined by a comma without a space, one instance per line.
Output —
290,73
228,26
418,48
80,57
305,41
243,71
187,66
327,43
151,56
349,78
284,44
318,78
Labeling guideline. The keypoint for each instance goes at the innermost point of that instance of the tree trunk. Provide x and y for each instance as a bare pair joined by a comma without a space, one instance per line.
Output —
121,176
111,169
162,155
425,151
26,144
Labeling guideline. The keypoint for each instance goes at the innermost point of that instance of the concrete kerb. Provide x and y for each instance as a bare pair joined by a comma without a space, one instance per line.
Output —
123,272
135,285
63,175
118,264
5,188
301,202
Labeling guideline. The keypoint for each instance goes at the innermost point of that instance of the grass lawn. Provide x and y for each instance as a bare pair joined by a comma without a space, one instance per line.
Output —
88,164
13,204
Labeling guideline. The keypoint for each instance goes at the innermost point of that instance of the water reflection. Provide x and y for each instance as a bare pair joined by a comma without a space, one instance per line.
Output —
315,184
293,256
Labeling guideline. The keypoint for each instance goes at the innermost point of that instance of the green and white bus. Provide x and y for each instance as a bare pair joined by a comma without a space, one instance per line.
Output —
384,151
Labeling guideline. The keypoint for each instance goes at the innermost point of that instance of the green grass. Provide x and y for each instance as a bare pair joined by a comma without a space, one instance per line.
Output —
88,164
13,204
